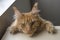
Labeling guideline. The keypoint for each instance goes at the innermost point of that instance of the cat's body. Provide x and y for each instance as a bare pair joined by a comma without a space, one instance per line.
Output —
30,22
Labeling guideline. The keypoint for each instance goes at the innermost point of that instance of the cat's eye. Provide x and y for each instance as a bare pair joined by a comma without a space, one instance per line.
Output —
32,22
23,24
33,27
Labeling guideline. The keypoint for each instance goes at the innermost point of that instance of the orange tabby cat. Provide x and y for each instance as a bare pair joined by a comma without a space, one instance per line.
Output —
30,22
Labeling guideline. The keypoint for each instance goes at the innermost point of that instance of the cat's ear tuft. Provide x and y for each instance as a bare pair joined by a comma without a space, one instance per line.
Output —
16,11
35,8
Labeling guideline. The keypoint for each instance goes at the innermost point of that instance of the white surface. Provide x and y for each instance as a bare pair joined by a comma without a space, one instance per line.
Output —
4,5
57,27
42,36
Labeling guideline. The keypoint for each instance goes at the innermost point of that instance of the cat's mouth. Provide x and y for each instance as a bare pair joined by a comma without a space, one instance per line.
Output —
28,32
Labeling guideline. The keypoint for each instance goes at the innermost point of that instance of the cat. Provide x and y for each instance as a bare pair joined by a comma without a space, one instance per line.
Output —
30,22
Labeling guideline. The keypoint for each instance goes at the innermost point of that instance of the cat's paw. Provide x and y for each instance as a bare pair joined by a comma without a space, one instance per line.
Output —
13,30
52,30
50,27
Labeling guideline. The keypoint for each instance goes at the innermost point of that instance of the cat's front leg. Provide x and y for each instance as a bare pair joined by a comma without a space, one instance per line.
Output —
13,30
49,27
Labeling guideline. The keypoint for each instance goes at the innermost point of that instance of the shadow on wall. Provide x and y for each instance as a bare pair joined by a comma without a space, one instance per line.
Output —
7,18
5,21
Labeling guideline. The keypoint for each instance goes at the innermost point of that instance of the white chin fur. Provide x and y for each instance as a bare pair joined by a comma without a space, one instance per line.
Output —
14,17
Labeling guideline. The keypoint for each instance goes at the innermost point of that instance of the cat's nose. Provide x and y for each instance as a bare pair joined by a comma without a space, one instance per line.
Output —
28,29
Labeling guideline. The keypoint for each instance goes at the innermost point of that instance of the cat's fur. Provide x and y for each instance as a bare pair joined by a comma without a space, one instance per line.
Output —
30,22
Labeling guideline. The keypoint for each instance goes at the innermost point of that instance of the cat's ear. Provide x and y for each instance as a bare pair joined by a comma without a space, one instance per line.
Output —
17,12
35,8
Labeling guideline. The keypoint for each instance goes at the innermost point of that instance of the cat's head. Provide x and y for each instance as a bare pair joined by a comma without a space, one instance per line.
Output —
28,22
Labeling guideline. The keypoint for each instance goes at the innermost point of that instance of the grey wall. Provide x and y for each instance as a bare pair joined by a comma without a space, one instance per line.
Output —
50,10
